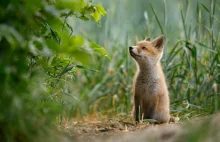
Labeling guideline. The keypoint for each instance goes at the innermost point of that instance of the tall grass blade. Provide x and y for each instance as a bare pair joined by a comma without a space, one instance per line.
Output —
158,22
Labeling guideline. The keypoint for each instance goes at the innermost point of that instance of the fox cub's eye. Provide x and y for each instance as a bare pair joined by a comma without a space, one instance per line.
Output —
144,48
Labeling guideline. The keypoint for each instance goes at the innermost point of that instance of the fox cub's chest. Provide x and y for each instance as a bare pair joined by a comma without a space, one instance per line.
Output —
147,85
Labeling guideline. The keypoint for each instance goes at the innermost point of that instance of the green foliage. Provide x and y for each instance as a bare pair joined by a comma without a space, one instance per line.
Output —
52,66
190,61
99,49
38,48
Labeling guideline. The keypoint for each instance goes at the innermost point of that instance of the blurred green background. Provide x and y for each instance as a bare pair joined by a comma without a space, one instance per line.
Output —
68,59
190,60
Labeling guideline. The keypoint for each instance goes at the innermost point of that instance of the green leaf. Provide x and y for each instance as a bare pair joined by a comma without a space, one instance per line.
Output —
85,68
209,12
75,5
96,16
63,14
76,41
70,67
54,35
157,19
84,18
65,70
99,49
71,44
205,7
100,9
205,46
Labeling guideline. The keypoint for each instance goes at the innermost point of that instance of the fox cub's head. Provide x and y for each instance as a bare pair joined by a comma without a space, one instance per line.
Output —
147,51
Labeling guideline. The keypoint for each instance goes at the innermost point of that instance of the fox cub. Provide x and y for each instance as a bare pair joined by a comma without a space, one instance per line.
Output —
151,98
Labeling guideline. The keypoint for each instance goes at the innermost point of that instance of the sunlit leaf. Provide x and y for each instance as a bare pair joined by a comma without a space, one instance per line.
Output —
76,41
96,15
99,49
100,9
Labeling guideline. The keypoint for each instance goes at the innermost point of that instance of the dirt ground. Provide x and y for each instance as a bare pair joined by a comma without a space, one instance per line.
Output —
125,130
99,130
105,127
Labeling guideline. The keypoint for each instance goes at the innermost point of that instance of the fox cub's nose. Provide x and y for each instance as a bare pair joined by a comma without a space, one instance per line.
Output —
130,48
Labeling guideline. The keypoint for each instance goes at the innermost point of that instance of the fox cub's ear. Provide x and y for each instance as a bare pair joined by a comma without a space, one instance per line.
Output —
147,39
158,42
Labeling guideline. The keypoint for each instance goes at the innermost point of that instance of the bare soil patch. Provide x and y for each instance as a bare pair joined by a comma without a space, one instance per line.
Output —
95,130
125,130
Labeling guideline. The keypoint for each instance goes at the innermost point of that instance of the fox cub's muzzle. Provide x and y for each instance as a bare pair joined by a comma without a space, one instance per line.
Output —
131,52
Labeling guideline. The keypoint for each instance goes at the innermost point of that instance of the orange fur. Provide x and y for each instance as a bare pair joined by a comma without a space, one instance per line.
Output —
149,87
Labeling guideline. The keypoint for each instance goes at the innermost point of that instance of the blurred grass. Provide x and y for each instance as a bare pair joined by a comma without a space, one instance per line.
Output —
191,60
